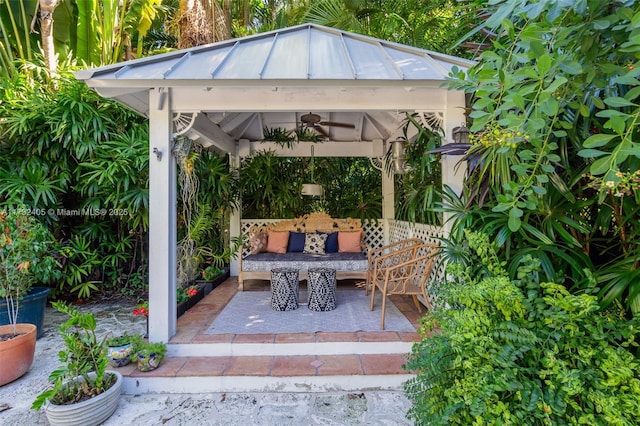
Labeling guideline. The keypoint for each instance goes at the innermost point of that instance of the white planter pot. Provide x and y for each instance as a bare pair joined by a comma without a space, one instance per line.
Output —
90,412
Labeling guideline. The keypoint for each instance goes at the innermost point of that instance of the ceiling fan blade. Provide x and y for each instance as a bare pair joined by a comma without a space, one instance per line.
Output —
334,124
320,130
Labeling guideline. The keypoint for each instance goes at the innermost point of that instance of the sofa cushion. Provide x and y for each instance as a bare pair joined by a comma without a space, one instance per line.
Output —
349,242
257,242
331,245
314,243
278,241
296,242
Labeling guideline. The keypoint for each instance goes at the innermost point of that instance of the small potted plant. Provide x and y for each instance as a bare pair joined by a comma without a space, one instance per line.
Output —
84,392
24,245
121,348
150,354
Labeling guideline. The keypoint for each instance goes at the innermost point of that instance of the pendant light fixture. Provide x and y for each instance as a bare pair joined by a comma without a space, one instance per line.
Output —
312,189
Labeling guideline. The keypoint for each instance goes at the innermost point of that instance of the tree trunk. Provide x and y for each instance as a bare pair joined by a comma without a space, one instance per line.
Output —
46,29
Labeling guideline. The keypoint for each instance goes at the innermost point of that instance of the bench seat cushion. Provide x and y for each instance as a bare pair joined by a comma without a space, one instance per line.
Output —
303,261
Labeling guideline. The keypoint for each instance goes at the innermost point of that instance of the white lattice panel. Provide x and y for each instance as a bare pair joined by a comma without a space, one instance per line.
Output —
399,230
373,232
246,224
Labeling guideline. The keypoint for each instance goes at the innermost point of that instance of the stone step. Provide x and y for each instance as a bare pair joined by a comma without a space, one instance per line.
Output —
270,373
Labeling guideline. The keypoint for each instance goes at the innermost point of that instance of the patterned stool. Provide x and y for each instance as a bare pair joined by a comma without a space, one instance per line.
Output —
284,289
322,289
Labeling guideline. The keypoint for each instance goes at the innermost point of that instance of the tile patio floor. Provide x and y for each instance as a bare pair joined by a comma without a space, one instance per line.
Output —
267,362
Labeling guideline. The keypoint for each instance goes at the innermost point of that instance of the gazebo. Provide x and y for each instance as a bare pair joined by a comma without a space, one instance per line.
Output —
355,90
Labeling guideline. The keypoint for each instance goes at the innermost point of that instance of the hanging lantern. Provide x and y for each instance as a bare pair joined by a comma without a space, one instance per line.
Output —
398,156
312,189
460,134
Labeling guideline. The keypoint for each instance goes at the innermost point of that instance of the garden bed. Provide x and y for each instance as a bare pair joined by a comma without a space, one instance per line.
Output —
204,287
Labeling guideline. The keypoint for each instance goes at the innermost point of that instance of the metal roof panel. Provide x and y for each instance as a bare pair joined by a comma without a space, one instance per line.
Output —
199,66
246,60
289,57
415,66
370,60
328,57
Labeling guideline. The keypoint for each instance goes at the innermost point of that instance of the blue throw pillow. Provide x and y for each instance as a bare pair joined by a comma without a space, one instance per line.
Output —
296,242
331,245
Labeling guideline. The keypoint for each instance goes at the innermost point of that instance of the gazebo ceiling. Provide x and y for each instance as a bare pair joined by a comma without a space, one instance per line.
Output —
270,80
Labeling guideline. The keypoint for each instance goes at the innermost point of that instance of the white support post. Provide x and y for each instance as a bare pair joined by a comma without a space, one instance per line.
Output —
236,215
162,219
388,201
452,172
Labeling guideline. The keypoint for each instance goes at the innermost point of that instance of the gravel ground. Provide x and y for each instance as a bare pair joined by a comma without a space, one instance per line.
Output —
368,408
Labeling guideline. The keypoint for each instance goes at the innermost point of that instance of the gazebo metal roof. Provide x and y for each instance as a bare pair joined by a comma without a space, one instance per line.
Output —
289,60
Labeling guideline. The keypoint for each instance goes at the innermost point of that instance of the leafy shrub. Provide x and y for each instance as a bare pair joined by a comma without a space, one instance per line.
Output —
521,351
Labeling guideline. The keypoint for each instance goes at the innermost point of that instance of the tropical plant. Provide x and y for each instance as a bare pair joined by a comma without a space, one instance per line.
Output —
553,162
26,257
521,351
434,25
84,354
67,154
417,188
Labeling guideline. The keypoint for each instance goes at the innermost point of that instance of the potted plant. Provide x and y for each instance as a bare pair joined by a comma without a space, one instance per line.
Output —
150,354
84,392
121,348
23,246
25,259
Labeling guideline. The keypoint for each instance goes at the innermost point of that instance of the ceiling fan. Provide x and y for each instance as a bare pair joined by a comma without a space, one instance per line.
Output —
314,121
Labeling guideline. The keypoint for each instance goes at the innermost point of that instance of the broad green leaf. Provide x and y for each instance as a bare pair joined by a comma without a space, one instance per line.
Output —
600,166
514,223
557,82
571,67
598,140
617,102
501,207
549,106
543,64
591,153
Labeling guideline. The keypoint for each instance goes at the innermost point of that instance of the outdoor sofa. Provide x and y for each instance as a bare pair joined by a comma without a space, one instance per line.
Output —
315,240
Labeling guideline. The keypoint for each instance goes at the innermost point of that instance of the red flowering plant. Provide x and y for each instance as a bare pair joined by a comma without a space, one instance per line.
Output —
185,294
182,295
142,309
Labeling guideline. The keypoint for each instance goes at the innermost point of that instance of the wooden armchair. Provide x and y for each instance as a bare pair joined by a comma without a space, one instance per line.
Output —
409,277
373,256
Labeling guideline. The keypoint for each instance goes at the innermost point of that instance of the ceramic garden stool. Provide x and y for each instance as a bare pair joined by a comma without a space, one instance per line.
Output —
322,289
284,289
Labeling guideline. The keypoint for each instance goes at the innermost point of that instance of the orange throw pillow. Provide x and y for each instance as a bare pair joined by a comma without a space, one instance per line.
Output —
277,241
349,242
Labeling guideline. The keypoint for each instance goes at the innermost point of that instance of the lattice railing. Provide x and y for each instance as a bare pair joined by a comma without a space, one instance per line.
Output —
399,230
246,224
373,232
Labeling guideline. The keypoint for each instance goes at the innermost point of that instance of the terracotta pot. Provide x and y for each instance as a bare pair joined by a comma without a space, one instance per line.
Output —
91,412
16,355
